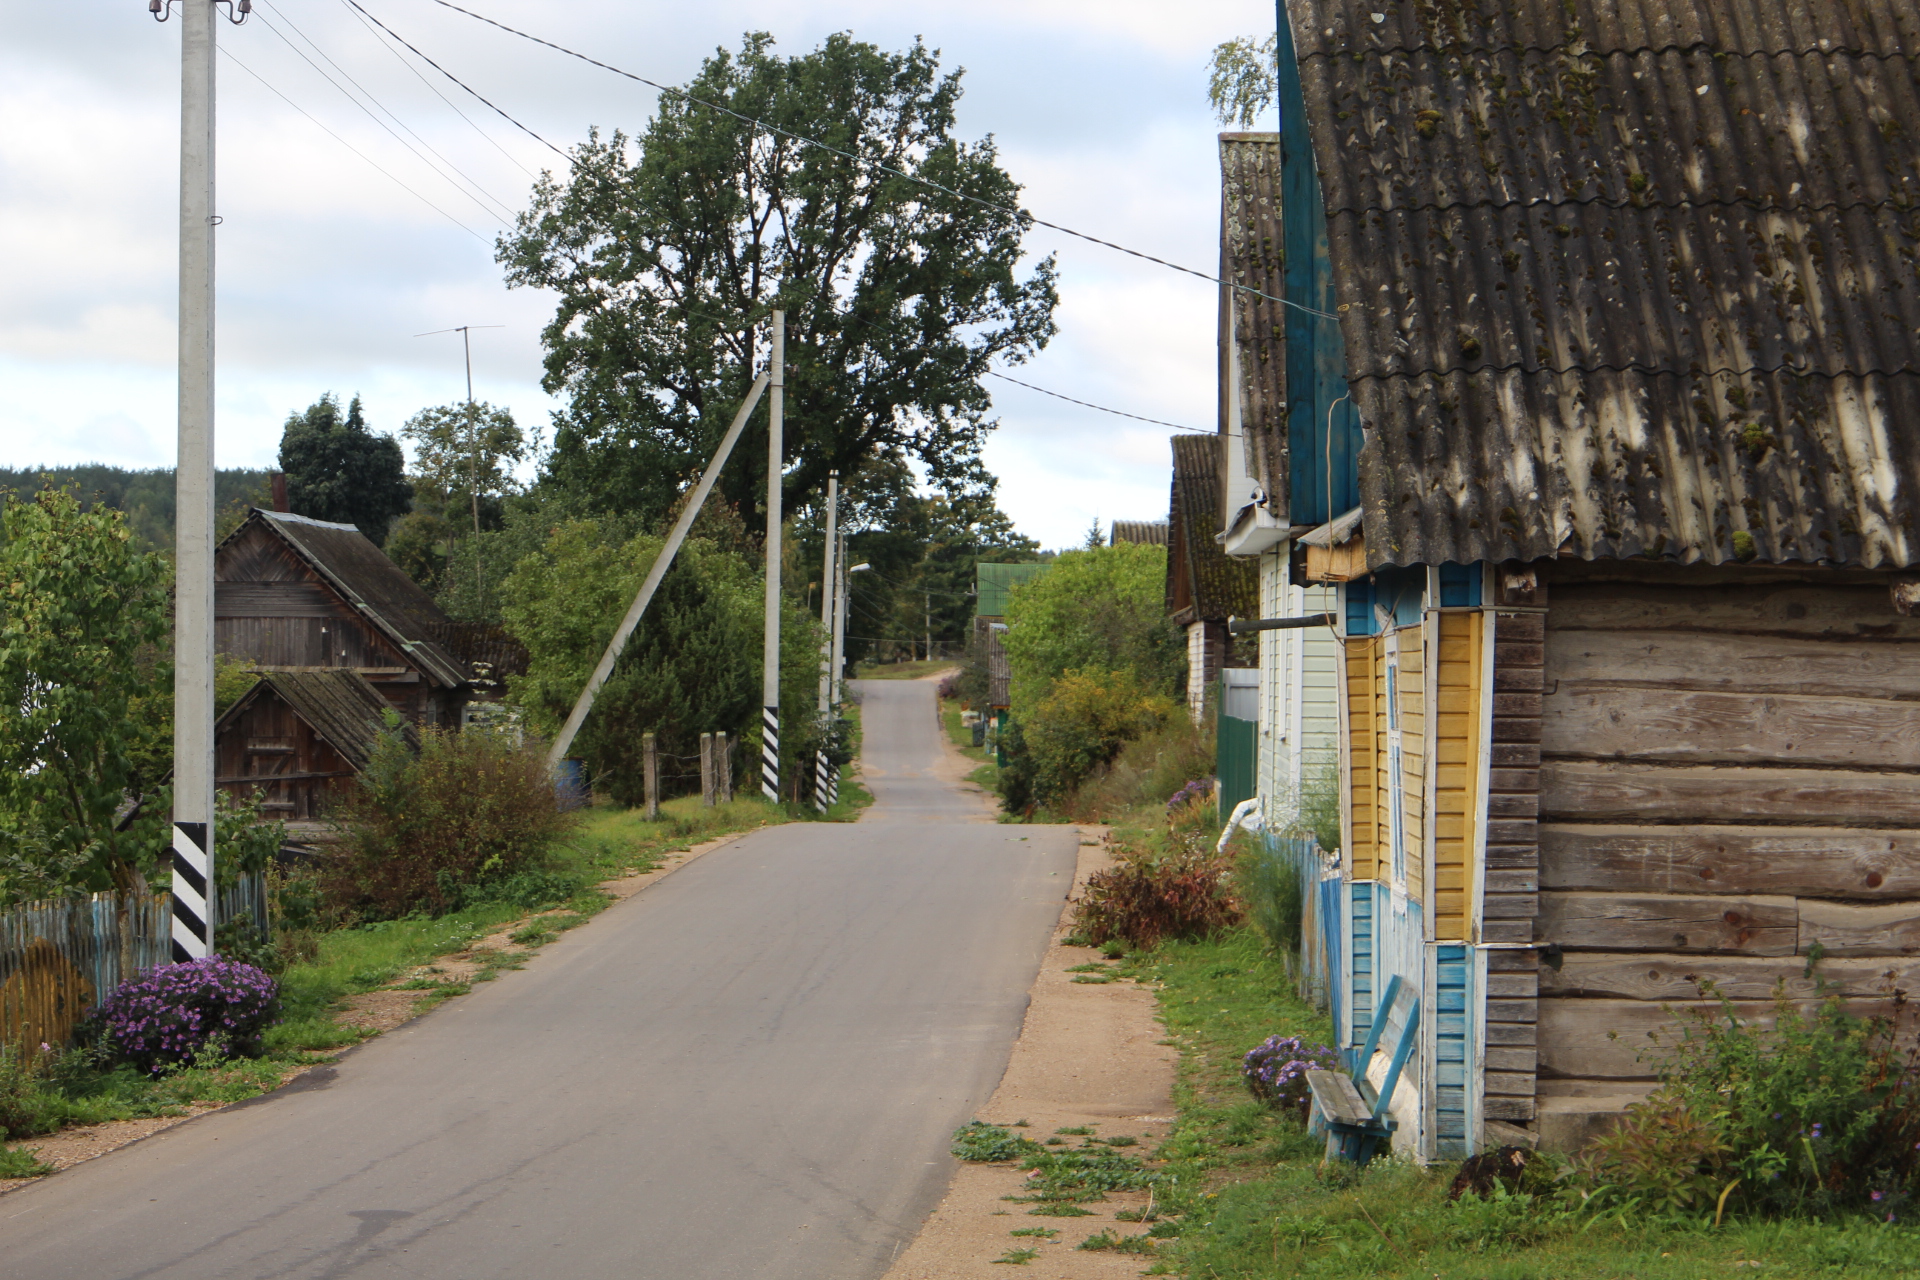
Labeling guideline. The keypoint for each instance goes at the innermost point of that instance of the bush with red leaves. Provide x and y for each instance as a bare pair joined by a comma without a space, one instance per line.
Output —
1146,900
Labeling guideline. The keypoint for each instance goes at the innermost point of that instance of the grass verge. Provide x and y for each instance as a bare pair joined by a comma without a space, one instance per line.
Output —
986,775
1249,1196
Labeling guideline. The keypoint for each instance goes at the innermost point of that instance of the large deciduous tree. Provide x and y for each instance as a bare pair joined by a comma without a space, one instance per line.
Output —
339,470
668,252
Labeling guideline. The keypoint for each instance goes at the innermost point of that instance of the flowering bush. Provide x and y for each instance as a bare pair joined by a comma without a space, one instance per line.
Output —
171,1013
1276,1070
1198,789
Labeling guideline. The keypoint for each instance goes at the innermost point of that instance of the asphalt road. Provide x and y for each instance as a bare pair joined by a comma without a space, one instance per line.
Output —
748,1070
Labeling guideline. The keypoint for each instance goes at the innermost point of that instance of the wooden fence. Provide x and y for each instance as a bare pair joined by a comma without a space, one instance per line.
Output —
59,959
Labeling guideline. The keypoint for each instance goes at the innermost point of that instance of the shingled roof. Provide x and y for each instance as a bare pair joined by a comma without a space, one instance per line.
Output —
1626,277
1204,583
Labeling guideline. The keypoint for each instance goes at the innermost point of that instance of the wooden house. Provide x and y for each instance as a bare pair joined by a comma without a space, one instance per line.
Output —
296,594
1298,719
296,737
1205,586
1600,415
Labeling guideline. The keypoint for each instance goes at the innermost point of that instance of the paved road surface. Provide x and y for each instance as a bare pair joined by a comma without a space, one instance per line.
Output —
748,1070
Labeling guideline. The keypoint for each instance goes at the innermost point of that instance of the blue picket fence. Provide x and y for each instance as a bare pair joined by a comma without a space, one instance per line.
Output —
59,959
1300,857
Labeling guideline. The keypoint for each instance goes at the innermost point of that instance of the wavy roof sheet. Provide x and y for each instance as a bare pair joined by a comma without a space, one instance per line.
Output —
1204,583
1626,277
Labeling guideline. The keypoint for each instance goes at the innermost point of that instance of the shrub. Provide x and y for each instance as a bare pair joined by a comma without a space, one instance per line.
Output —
1199,790
1275,1071
1145,899
424,832
1083,723
23,1103
1147,771
1819,1111
171,1013
1103,608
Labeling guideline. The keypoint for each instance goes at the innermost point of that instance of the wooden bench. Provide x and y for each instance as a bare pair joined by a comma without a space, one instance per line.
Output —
1354,1115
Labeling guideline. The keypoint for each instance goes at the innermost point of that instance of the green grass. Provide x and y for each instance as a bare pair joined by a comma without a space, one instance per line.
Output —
902,670
1018,1257
986,775
1244,1190
15,1163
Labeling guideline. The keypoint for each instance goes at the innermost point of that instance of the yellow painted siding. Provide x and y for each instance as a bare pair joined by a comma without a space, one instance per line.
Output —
1413,757
1458,682
1362,764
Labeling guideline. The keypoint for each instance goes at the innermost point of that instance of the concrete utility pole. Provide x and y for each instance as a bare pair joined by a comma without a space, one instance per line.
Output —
193,837
827,593
770,650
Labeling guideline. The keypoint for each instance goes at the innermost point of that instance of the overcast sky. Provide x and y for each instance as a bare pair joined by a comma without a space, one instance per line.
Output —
328,266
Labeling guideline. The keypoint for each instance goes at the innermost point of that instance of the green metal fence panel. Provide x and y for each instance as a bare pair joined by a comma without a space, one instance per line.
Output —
1238,746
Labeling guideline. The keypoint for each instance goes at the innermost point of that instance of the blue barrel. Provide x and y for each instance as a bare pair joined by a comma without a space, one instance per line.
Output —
570,784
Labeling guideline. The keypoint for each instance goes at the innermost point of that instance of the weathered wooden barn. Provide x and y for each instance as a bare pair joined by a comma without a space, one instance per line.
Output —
1601,330
296,594
297,737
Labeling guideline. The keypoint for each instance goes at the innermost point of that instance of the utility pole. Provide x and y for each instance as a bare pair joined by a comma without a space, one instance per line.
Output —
473,448
194,901
827,583
770,651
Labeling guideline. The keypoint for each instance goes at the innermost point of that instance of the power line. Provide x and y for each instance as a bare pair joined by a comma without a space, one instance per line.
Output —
414,71
884,168
1118,413
500,209
349,146
457,80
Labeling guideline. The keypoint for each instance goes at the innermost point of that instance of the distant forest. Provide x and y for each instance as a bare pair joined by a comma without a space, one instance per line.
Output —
146,496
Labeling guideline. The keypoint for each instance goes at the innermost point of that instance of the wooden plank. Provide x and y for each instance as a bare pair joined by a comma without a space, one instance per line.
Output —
1854,929
1527,679
1863,612
1667,977
1614,792
1517,729
1796,861
1669,922
1506,1059
1507,805
1511,906
1508,931
277,600
1514,755
1337,1097
1510,1010
1497,1108
1521,627
1513,985
1730,728
1513,880
1612,1039
1729,662
1510,1083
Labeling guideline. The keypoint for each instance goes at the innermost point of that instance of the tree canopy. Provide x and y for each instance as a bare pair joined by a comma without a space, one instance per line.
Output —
1101,608
339,470
668,252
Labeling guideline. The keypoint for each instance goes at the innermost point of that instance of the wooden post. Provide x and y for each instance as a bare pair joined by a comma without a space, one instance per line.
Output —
706,770
723,766
650,770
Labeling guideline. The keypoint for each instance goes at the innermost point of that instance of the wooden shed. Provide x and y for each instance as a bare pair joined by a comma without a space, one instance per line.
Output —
298,736
296,594
1602,403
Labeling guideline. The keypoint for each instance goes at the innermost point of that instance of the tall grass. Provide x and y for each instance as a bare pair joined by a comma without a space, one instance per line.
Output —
1147,771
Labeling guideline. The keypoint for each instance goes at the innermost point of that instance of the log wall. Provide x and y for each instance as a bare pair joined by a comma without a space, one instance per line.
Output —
1729,775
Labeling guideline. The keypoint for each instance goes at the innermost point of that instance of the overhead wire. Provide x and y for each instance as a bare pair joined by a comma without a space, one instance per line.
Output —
884,168
275,91
381,39
1087,404
478,194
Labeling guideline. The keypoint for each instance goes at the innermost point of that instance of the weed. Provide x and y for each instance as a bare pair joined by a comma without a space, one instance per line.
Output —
1092,966
1059,1209
1056,1142
1018,1257
1108,1241
1097,980
981,1142
1149,896
1077,1131
17,1162
1120,1140
1044,1233
1136,1215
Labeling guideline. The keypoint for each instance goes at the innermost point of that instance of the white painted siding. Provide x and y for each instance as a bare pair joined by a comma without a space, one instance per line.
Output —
1196,670
1299,699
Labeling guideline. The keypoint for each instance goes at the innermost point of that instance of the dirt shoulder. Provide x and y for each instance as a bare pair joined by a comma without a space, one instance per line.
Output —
371,1011
1091,1054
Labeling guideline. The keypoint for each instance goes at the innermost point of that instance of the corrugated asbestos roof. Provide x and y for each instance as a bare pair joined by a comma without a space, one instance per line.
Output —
1252,326
1626,277
992,582
378,586
1201,576
1150,532
341,706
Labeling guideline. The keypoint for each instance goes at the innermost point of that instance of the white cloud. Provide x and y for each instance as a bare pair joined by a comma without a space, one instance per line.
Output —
328,267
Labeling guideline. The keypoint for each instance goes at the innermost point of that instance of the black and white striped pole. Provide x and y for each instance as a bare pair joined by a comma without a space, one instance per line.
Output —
829,580
770,653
